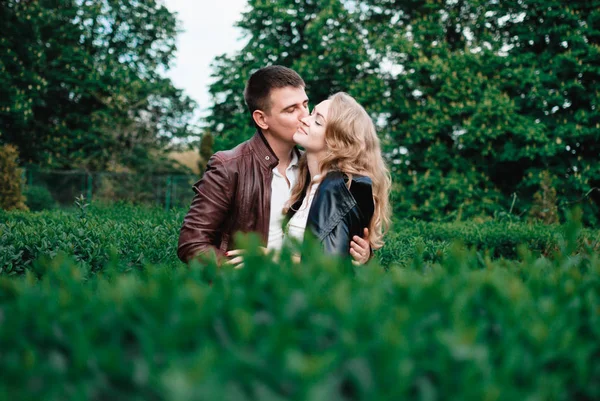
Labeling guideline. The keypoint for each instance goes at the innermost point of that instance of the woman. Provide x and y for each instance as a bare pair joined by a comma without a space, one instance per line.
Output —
343,183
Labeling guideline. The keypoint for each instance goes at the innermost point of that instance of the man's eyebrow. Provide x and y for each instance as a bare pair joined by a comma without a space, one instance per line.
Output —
295,104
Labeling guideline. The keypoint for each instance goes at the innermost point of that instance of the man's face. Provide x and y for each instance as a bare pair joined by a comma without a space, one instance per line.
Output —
289,106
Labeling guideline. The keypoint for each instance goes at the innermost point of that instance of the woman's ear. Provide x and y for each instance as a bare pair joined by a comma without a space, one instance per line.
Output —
260,119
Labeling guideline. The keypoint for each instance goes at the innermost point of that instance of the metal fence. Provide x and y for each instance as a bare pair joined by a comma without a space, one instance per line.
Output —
167,190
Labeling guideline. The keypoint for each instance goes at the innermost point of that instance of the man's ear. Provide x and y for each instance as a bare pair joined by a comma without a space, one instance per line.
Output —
259,118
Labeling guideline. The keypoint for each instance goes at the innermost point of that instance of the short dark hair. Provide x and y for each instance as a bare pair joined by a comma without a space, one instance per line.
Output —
260,84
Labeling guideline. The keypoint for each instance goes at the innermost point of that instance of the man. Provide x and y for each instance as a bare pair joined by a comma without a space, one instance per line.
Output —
244,189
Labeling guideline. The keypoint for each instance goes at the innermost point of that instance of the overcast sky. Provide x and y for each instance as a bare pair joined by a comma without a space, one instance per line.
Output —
208,32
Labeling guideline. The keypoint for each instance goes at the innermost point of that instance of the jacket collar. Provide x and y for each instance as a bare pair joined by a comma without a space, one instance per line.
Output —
263,151
332,202
333,194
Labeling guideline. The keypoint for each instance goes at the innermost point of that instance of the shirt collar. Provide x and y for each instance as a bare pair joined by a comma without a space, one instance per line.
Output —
293,164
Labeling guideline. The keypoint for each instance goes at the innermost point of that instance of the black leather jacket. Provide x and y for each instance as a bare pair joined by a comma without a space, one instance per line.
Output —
338,213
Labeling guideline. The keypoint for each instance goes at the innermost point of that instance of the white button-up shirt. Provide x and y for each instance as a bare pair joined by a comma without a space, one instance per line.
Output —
280,194
297,224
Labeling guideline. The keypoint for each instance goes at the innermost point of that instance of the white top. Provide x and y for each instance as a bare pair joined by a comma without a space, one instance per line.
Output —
280,194
297,224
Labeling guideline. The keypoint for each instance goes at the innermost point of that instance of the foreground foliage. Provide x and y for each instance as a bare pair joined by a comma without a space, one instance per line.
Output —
461,328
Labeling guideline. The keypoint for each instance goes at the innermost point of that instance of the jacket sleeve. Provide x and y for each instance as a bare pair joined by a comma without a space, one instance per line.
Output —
363,193
202,228
337,242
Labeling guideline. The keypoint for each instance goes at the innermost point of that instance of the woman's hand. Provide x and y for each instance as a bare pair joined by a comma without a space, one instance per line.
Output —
360,248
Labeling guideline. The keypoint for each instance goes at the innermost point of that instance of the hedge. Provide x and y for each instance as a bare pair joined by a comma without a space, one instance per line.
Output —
322,330
139,235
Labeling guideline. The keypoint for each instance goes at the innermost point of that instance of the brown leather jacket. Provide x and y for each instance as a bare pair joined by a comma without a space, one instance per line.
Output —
233,195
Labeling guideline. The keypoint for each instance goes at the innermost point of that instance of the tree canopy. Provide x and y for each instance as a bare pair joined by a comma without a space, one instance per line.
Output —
477,101
82,83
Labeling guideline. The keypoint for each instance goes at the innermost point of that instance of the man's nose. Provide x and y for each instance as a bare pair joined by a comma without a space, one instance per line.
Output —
304,113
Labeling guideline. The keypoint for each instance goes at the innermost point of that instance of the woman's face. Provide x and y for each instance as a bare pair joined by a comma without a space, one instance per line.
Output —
311,134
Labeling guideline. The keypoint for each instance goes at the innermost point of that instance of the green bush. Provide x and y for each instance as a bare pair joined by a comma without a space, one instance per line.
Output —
141,235
11,179
491,238
137,235
39,198
323,330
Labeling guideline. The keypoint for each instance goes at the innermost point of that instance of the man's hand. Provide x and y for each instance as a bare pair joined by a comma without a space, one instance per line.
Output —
360,248
236,257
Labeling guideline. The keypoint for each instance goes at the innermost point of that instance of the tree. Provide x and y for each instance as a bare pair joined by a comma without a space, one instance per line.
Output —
485,96
81,84
11,180
552,73
474,99
206,151
322,41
